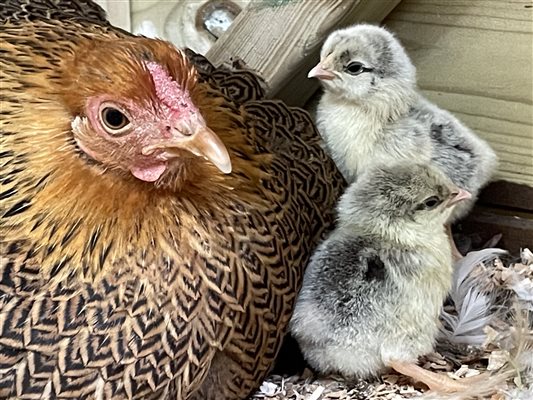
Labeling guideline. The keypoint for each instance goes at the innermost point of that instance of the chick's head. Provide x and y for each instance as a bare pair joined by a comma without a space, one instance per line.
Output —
132,109
403,195
364,60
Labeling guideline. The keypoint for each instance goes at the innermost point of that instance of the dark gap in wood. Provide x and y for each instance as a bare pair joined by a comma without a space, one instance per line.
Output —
486,222
507,195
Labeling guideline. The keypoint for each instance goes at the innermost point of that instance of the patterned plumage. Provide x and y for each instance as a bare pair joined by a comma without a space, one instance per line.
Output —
112,287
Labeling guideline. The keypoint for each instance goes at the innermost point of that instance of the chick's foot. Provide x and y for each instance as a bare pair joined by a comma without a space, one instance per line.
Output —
436,382
456,254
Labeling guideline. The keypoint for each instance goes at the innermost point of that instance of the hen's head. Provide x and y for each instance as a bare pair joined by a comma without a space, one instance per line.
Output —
363,60
133,110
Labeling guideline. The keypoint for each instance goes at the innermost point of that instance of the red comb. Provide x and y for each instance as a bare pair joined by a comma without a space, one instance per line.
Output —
168,90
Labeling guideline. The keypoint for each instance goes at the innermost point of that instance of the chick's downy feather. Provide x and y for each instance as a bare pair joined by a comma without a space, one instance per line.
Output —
119,284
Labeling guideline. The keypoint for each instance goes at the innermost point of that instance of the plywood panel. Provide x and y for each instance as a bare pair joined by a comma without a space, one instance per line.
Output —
475,59
118,12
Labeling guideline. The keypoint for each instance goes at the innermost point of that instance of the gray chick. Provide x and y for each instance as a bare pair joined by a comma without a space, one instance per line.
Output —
373,291
371,113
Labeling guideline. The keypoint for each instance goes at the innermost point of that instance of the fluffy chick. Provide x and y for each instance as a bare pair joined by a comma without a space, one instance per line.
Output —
372,113
373,291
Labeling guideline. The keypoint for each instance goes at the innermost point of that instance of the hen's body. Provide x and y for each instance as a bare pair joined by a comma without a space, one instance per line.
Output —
111,287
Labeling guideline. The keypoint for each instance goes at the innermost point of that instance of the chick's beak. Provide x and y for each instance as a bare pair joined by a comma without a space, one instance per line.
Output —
459,195
193,135
320,72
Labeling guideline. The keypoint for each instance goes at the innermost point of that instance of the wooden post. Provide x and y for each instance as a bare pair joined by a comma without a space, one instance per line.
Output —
281,39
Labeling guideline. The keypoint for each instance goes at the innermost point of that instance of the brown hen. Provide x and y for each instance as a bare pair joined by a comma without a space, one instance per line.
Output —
133,265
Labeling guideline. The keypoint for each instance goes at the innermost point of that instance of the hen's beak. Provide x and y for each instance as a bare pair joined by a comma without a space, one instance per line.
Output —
193,135
459,195
320,72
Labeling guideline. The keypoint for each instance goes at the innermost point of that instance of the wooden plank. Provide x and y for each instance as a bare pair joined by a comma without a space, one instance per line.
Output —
281,39
474,58
118,12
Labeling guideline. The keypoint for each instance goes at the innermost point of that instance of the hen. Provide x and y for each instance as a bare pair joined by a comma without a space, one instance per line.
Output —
134,265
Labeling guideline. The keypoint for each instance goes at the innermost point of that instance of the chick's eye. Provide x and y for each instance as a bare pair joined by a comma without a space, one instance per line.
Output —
431,202
355,68
114,120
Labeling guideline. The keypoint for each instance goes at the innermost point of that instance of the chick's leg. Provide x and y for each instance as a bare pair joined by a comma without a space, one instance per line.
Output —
456,254
435,382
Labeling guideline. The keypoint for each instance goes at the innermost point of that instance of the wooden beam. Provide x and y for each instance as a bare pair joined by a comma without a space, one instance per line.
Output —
474,58
281,39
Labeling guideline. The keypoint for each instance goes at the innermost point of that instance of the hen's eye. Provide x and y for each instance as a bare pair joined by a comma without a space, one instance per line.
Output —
356,68
431,202
114,120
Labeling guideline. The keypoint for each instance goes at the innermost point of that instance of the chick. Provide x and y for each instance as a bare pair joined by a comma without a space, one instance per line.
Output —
371,113
373,291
